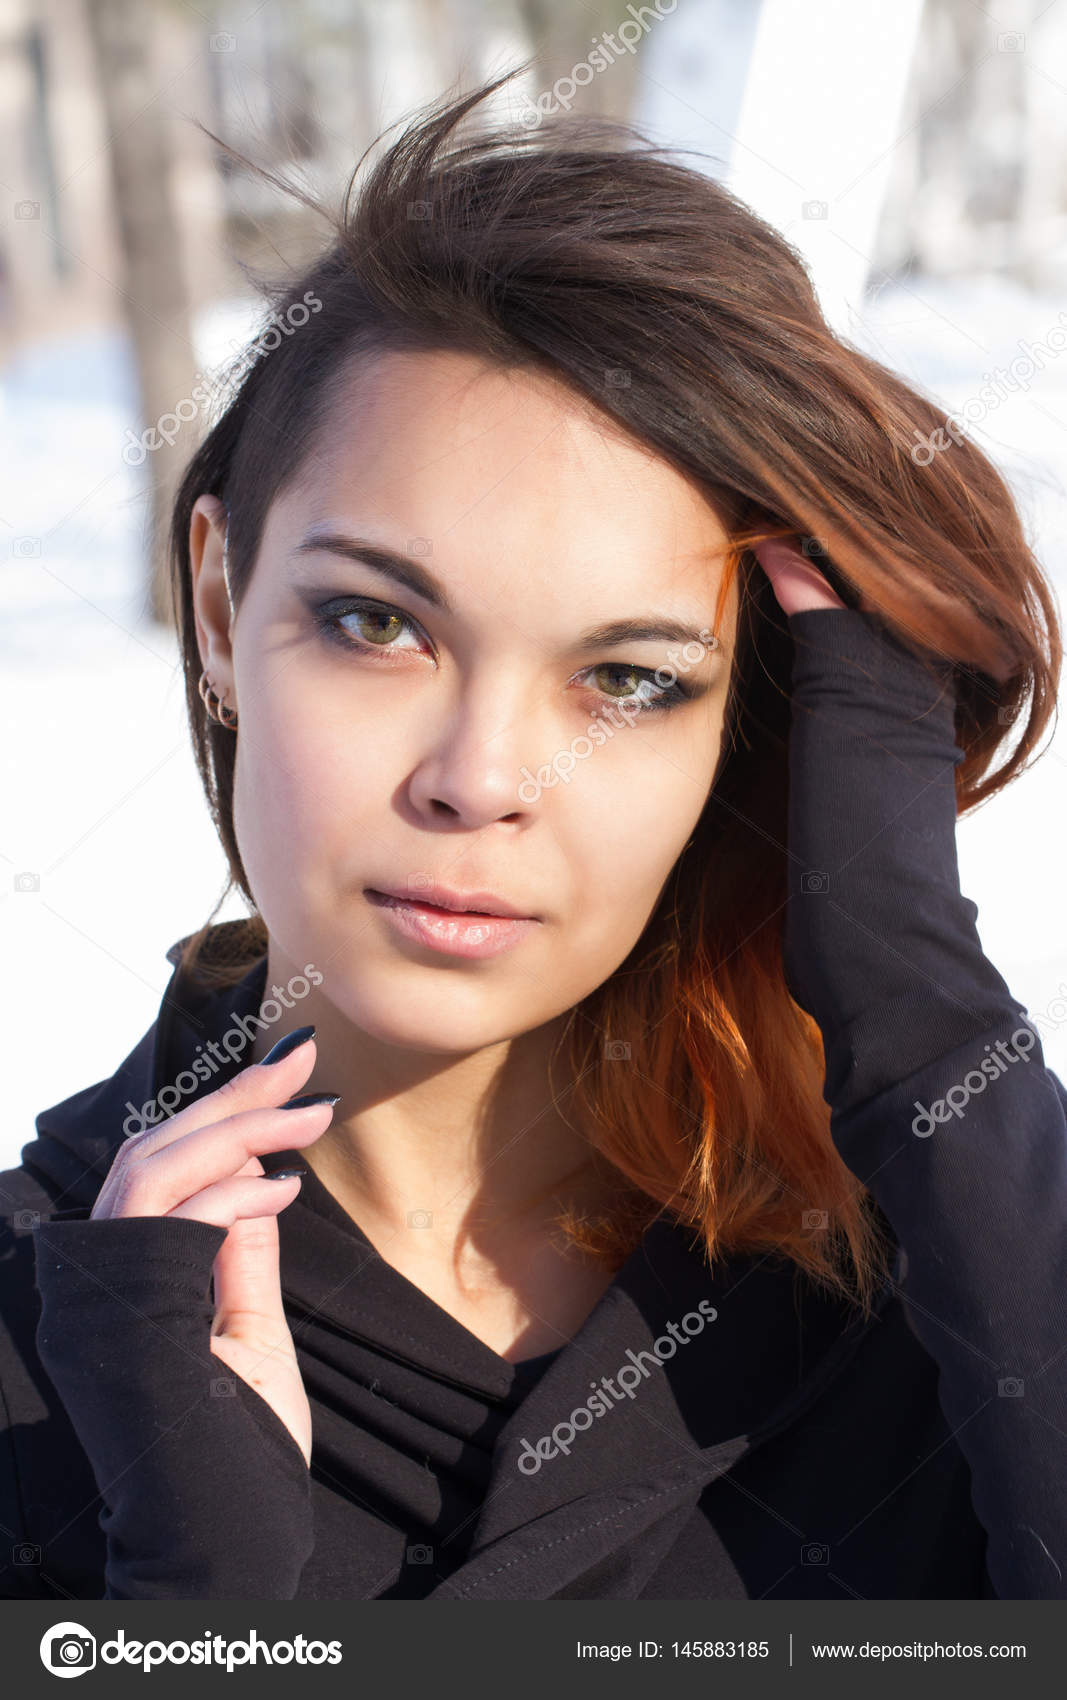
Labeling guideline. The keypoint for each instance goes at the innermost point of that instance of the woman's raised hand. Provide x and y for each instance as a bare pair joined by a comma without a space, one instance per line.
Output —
797,582
204,1164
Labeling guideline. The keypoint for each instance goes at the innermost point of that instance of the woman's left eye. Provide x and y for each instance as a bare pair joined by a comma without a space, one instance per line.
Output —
650,695
386,623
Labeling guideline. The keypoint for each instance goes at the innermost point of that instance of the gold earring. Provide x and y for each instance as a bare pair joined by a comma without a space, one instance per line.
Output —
216,705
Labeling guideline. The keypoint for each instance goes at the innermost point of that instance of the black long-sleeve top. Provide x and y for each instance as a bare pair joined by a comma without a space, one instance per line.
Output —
736,1434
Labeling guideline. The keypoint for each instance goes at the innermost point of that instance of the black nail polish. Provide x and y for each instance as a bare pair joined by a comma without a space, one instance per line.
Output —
307,1098
299,1036
283,1174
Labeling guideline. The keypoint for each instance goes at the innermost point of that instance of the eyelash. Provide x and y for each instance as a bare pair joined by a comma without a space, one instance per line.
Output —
329,620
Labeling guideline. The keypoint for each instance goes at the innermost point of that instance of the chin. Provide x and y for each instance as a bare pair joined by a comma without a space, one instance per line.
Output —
441,1021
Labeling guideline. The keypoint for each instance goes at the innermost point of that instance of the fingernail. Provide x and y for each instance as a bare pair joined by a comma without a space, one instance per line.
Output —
283,1174
299,1036
312,1098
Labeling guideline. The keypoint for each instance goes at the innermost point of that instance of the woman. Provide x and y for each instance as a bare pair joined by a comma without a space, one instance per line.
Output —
683,1218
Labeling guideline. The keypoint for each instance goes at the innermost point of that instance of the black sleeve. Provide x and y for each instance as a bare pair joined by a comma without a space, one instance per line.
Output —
206,1493
940,1100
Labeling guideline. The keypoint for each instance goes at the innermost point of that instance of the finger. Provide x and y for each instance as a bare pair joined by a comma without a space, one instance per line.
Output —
232,1201
246,1277
246,1274
261,1085
798,584
155,1183
246,1271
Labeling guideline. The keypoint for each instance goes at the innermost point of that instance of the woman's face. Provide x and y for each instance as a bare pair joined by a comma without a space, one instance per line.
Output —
460,721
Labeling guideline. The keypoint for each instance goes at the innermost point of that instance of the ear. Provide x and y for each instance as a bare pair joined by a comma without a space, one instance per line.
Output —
207,542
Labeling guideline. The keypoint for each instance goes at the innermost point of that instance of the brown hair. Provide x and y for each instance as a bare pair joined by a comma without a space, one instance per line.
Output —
582,251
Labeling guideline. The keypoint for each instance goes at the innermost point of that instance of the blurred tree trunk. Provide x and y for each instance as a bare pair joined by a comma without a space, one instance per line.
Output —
563,37
154,297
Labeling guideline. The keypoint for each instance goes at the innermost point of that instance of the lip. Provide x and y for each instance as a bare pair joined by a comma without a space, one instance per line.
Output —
449,931
456,902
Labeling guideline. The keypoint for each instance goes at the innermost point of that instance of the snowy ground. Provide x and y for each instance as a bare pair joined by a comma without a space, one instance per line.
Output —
103,806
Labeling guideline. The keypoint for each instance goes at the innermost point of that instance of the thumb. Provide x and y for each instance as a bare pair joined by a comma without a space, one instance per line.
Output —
246,1273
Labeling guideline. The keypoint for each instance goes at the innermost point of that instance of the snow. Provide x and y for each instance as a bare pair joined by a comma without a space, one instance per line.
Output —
105,811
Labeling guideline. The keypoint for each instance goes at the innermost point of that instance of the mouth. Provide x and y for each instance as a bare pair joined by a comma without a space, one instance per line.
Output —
472,933
440,900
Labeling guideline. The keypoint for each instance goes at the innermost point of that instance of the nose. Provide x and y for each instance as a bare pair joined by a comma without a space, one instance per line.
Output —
472,769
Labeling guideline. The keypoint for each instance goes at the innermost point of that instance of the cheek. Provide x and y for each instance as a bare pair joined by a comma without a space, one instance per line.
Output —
657,785
619,834
310,795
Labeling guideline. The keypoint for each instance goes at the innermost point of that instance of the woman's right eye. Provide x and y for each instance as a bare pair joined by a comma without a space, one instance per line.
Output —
366,625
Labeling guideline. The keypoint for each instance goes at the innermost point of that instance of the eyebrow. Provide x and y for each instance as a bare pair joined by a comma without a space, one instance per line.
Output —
409,572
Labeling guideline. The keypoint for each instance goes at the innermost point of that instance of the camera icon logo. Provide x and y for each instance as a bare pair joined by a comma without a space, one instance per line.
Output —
815,1553
68,1649
419,1555
616,1050
814,880
420,1218
814,209
813,547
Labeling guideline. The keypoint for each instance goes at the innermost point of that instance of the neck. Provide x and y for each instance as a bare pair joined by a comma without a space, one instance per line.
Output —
476,1142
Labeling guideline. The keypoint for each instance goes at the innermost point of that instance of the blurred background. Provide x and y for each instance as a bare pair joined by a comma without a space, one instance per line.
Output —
914,151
